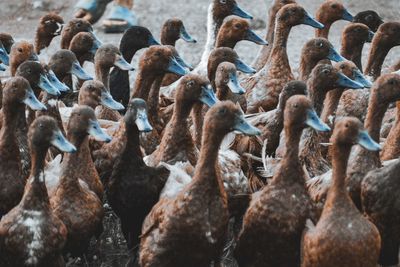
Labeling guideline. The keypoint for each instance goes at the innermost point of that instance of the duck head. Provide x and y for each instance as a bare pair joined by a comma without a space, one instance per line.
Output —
290,89
72,28
6,41
299,114
318,49
225,8
235,29
54,80
83,122
194,88
350,131
329,78
94,93
50,25
388,35
331,11
20,52
108,56
45,132
18,90
227,54
134,39
36,75
226,77
369,18
357,33
225,117
158,60
350,69
387,88
64,62
84,45
136,115
293,14
173,30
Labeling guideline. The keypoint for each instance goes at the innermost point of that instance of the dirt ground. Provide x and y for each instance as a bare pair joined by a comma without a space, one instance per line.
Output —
20,17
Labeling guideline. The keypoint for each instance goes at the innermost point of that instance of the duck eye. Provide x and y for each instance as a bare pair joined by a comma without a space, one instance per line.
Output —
237,26
222,2
346,125
334,6
20,50
325,71
222,111
342,66
391,82
320,44
190,83
78,24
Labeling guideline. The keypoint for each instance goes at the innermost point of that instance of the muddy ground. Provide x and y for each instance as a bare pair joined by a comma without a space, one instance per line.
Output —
20,17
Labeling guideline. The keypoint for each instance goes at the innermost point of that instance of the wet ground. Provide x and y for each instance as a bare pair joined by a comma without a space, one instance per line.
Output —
20,17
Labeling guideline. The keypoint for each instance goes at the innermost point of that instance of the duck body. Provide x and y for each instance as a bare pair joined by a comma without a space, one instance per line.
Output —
342,236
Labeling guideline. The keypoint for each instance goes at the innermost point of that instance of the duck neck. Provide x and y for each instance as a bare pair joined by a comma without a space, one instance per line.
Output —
376,58
352,51
222,92
103,74
306,66
152,101
168,40
12,114
224,41
331,102
42,40
213,26
197,118
323,33
338,192
317,95
375,114
143,85
280,39
132,151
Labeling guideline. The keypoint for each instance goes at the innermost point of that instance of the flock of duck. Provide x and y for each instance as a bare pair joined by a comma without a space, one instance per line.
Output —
221,164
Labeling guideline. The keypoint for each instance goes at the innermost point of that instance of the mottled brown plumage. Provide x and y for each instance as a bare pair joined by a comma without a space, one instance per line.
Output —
72,28
50,25
21,52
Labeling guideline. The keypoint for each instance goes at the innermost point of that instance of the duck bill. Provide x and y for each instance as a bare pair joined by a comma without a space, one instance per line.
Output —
121,63
253,37
60,142
79,72
153,41
207,96
243,67
31,101
347,16
108,101
335,56
2,67
96,45
346,82
183,63
184,35
142,121
59,29
4,58
308,20
315,122
34,57
234,85
365,140
238,11
98,133
370,36
45,85
243,127
175,67
56,82
360,78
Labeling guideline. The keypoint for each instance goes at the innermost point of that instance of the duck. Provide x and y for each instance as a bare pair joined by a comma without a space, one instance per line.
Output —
333,241
72,28
50,25
271,125
133,187
134,39
323,79
354,36
383,93
314,51
16,94
105,58
4,58
329,12
78,207
30,234
369,18
384,39
276,216
277,72
6,41
378,188
391,148
263,54
227,85
21,52
84,45
177,144
168,220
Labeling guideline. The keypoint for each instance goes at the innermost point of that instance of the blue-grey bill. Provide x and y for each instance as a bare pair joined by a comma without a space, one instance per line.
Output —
315,122
365,140
60,142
